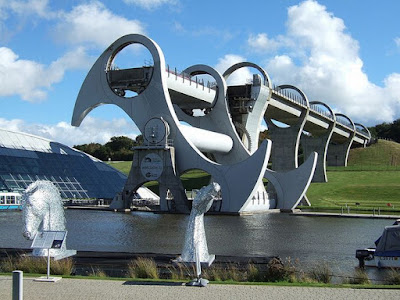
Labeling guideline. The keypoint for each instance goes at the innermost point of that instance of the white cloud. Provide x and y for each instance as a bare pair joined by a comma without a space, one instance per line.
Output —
19,14
324,62
261,43
92,130
85,24
31,7
240,76
31,80
151,4
397,42
25,8
93,23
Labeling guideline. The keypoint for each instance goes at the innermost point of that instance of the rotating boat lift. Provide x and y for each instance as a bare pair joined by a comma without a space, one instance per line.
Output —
175,141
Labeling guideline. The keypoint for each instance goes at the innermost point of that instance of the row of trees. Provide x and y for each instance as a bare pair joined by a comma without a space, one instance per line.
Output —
389,131
118,148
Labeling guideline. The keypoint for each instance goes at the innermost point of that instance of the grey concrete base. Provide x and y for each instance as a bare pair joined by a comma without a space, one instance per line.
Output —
47,279
200,282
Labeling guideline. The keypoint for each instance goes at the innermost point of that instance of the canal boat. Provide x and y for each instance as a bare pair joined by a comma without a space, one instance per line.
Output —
10,201
386,254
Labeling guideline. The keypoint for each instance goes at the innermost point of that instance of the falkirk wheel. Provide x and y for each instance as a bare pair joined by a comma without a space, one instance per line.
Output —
222,141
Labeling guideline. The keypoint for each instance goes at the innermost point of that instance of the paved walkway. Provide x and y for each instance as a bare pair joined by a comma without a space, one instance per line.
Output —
71,289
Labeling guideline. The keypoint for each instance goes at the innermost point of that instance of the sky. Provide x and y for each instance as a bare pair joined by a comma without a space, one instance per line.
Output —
343,53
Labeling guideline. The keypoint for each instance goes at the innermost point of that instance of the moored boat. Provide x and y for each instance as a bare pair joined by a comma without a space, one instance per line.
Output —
387,251
10,201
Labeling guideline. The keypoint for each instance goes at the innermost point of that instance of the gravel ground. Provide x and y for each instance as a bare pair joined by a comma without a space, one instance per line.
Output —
70,289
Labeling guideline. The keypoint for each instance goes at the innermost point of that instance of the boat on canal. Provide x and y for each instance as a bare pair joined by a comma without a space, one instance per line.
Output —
10,201
386,254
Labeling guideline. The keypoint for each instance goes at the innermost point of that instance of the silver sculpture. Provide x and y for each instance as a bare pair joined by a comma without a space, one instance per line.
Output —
195,247
43,211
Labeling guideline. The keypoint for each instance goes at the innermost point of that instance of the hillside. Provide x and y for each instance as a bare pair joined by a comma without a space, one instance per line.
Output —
382,155
371,180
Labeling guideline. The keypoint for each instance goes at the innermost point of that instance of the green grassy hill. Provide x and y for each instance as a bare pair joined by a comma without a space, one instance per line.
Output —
371,180
383,155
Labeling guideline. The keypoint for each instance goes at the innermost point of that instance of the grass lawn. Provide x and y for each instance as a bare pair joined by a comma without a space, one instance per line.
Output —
123,166
368,188
372,179
193,179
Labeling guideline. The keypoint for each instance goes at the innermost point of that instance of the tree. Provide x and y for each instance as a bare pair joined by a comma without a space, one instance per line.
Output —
95,149
387,130
117,143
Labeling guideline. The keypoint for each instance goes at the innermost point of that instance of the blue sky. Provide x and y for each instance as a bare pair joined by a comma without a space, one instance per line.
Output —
344,53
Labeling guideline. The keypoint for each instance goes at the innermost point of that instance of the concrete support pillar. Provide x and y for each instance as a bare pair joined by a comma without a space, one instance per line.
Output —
339,153
285,143
156,165
318,144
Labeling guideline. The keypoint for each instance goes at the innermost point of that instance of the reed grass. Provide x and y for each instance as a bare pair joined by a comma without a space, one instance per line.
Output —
360,276
180,271
97,272
7,265
320,273
143,268
37,265
393,277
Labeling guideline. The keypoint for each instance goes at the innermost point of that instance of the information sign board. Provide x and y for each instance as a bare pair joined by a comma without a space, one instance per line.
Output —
49,239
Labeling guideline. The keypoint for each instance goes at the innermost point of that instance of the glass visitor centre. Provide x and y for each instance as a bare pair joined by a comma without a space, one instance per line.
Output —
25,158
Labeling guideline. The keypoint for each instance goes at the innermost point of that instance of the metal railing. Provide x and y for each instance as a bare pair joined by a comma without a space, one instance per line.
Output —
289,96
316,108
211,85
344,121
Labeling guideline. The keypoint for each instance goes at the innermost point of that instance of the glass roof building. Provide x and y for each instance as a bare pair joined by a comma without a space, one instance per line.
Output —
25,158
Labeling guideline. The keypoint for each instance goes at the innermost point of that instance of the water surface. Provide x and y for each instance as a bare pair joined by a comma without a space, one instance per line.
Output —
310,239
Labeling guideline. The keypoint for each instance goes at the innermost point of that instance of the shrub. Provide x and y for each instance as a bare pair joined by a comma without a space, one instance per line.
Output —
277,271
253,273
38,265
31,264
64,266
181,272
214,274
229,272
97,272
359,277
393,277
143,268
321,273
7,265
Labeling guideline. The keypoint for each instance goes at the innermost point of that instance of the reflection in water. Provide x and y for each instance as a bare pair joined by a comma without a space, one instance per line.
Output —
310,239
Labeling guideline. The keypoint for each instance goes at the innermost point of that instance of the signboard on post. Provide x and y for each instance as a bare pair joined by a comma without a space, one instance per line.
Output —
49,239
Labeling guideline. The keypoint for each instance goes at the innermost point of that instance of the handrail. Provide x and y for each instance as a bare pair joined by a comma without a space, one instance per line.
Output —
210,85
